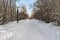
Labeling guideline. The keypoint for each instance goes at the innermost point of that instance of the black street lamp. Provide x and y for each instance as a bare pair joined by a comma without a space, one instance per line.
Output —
17,15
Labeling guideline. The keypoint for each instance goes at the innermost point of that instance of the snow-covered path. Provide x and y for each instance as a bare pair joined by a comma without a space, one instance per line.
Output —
29,30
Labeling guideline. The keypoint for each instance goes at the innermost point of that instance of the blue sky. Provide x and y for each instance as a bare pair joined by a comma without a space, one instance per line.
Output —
27,3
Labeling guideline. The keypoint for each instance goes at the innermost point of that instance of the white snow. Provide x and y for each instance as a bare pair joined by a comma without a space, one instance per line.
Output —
29,30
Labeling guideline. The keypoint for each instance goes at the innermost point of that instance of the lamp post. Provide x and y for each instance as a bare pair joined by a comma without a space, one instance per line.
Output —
17,13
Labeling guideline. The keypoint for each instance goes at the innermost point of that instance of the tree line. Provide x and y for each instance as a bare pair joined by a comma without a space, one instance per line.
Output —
8,11
47,10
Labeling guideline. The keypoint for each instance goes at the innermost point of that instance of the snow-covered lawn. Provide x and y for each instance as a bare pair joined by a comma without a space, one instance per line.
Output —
29,30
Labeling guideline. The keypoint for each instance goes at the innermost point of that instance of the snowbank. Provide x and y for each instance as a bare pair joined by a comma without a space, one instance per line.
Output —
29,30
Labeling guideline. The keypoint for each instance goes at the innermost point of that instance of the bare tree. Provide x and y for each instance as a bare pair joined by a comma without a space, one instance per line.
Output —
44,9
23,13
8,10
